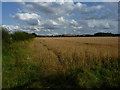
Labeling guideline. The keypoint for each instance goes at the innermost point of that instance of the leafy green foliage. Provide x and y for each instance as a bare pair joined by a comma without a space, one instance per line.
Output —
6,37
21,36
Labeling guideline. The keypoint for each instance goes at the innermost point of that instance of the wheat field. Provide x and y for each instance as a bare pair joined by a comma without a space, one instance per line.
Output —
68,55
72,52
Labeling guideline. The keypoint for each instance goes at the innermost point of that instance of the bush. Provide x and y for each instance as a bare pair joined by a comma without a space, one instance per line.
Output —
6,37
21,36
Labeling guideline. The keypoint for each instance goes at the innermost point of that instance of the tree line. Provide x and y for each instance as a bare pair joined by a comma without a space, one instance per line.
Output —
99,34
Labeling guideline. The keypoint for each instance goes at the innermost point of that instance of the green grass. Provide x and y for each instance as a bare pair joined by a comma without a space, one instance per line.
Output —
16,69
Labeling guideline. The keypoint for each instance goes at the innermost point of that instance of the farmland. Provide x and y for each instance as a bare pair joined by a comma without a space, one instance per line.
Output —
82,62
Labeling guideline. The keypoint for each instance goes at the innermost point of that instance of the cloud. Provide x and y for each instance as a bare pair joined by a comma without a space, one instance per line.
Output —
52,22
62,1
26,16
76,18
29,18
61,19
102,24
73,22
106,10
51,9
84,9
77,27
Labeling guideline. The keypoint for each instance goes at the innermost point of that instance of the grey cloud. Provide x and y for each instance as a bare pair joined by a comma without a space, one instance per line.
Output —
32,22
101,11
51,9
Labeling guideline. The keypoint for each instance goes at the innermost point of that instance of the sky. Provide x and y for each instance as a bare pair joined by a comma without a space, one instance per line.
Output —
55,18
0,13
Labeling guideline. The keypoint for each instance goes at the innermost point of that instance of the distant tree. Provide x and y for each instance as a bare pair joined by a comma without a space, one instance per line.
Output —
34,34
103,34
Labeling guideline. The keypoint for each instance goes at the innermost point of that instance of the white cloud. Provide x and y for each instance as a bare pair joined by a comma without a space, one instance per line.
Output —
77,27
55,33
84,9
80,5
49,22
26,16
73,22
53,22
29,18
11,27
61,19
98,24
98,7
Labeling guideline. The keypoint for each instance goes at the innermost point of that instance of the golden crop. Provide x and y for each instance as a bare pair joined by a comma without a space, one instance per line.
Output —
63,53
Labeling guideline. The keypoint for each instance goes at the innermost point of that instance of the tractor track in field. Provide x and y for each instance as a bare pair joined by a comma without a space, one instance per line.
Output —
56,53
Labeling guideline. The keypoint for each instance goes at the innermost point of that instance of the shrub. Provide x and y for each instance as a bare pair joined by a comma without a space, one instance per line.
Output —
6,37
21,36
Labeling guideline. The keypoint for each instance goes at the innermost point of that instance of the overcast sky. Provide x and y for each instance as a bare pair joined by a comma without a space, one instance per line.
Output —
54,18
